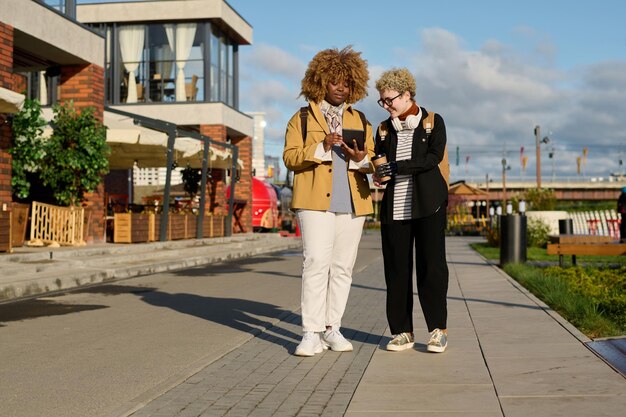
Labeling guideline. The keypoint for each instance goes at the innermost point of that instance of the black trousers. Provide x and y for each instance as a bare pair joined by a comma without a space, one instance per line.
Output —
424,237
622,228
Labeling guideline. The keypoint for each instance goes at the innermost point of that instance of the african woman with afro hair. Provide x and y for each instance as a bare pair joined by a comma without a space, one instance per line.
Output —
331,194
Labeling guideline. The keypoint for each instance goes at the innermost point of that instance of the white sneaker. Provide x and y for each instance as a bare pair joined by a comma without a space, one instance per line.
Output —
310,345
333,339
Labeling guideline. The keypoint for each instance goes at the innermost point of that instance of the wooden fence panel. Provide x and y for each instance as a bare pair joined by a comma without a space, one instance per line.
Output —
63,225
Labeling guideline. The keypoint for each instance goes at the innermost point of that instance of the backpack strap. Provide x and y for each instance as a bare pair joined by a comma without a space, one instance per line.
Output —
304,113
363,119
444,166
429,124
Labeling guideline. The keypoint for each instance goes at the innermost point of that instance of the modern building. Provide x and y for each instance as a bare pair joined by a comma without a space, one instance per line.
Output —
170,61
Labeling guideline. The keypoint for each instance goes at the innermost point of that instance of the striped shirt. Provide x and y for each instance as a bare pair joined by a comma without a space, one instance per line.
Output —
403,188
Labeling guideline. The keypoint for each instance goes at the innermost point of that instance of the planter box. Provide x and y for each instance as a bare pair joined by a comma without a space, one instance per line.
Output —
207,226
192,225
5,231
136,228
217,229
132,227
177,226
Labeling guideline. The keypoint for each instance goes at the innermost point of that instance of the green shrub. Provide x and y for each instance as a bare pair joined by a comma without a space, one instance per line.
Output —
539,199
28,150
537,233
606,287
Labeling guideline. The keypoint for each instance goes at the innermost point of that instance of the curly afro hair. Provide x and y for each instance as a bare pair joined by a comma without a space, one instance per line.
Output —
397,79
333,64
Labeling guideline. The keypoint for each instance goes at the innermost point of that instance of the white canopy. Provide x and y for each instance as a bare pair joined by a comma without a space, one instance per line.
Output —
10,101
131,143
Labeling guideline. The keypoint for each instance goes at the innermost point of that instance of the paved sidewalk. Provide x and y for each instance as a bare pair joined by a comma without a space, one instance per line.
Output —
30,271
509,355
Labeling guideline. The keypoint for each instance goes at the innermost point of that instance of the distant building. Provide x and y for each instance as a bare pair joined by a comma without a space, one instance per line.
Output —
258,145
275,175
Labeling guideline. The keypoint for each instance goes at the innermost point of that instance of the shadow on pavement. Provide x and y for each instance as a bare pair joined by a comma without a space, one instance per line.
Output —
35,308
235,313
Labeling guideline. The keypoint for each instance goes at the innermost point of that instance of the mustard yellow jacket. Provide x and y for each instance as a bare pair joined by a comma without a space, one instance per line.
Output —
313,178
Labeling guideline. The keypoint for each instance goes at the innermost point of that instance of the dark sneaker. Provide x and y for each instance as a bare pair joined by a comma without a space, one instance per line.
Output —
334,340
400,342
438,341
310,345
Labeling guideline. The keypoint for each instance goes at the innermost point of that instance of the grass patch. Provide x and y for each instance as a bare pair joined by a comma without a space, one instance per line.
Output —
593,316
592,298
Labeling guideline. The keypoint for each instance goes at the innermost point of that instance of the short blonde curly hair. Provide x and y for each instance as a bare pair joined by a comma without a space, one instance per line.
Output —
398,79
334,65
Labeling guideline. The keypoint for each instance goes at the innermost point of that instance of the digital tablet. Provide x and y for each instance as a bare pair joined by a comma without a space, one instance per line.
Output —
349,135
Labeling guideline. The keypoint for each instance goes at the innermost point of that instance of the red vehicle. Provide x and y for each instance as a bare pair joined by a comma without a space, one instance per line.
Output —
265,214
264,206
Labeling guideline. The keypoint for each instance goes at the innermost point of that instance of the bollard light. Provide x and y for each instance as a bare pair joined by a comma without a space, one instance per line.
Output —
491,211
509,208
499,211
522,206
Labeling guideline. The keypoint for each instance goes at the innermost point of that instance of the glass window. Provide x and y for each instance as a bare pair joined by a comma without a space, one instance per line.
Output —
162,63
231,76
223,69
67,7
215,60
133,69
194,69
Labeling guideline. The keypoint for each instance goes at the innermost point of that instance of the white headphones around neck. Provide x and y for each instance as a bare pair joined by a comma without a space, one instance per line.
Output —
411,122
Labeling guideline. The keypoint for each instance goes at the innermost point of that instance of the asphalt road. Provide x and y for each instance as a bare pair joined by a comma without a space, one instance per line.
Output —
99,351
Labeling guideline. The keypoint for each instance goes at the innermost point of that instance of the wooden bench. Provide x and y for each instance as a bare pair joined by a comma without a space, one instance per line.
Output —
585,245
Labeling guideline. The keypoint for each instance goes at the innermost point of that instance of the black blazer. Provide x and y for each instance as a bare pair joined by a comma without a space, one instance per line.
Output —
430,191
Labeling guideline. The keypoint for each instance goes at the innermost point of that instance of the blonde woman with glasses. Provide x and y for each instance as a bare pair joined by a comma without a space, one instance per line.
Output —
413,211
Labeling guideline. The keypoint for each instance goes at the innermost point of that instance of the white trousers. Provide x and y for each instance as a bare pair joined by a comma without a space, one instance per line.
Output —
330,243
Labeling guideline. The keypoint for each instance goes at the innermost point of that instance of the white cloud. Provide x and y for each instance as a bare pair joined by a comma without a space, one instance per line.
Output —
491,99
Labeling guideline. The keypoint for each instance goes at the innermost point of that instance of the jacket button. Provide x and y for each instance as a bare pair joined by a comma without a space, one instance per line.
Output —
327,194
330,170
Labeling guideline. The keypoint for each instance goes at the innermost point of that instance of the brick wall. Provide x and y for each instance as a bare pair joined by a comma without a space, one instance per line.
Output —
243,188
6,81
20,83
84,84
216,190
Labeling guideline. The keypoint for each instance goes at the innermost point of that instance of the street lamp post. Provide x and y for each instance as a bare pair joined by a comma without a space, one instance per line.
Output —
487,186
538,142
505,167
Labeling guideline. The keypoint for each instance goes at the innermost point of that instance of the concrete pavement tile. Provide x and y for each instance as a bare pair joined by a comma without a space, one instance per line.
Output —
565,406
554,376
530,331
532,349
409,367
392,398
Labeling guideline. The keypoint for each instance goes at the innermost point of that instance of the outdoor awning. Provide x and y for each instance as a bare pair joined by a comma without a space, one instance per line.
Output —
465,190
132,143
10,101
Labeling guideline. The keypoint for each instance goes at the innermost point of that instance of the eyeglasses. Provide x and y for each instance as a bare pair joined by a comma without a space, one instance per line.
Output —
387,101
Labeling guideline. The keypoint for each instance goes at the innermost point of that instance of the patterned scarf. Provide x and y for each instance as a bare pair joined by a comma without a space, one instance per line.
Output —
333,115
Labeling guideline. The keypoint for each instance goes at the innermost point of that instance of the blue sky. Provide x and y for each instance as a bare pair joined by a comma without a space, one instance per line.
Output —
492,69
